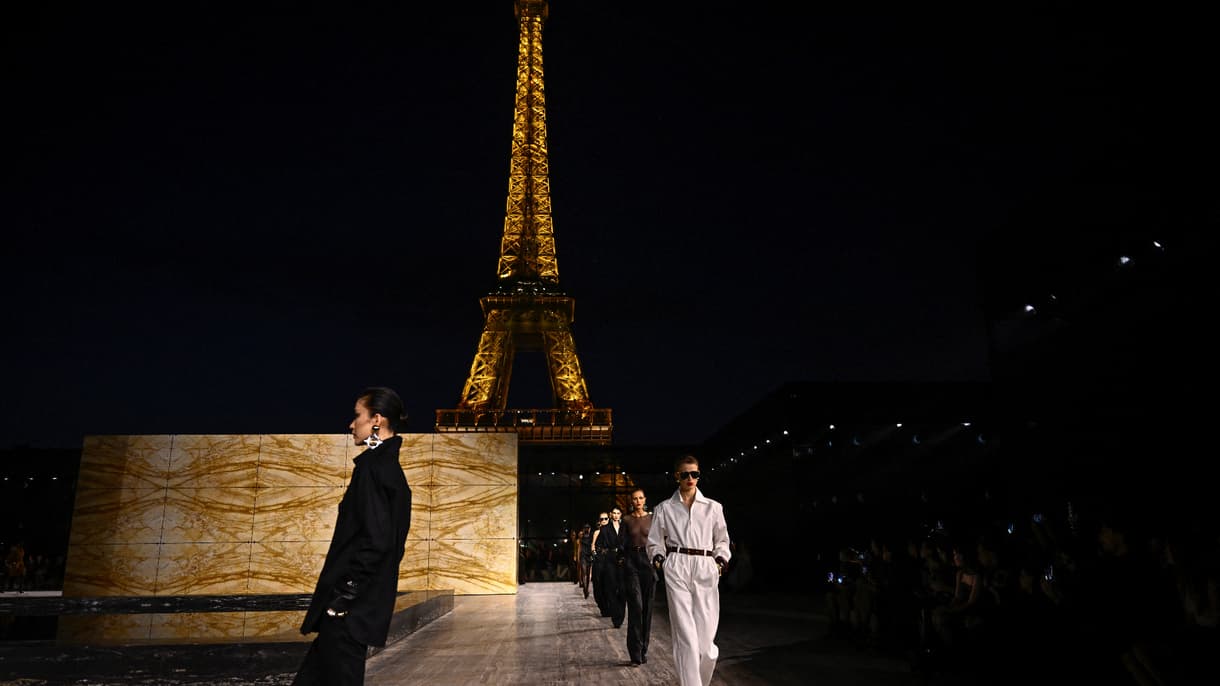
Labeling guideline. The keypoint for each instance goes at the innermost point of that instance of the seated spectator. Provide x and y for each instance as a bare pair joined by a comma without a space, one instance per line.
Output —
1186,649
961,614
897,608
840,595
1122,601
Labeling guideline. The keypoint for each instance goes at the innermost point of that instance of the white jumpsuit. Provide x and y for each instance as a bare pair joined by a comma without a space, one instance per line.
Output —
691,581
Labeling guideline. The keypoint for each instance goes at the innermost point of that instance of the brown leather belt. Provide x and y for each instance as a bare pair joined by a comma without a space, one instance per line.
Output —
689,551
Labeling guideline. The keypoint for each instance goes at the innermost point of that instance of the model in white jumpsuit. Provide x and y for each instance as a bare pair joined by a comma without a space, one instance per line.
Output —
691,580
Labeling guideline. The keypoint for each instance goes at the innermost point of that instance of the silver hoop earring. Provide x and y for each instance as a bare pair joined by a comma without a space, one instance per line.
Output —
374,440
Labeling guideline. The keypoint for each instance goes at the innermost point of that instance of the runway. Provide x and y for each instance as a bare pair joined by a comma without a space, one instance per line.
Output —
550,634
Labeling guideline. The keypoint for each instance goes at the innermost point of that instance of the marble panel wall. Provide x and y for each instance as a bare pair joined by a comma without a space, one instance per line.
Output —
253,514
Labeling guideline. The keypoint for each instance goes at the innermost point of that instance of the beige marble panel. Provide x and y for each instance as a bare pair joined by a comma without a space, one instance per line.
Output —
474,567
124,462
465,459
413,570
111,570
117,515
301,513
302,460
286,566
419,446
464,502
416,458
282,625
419,474
203,569
211,461
421,512
208,515
474,512
198,625
95,628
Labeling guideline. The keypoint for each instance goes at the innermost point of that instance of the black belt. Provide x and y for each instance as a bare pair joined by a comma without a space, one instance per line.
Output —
689,551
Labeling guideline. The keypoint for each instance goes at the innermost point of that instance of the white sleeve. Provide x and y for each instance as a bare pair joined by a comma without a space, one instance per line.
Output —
720,534
656,533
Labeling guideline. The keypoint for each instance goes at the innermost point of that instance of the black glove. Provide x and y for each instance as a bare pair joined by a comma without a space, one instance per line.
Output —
720,563
658,560
342,598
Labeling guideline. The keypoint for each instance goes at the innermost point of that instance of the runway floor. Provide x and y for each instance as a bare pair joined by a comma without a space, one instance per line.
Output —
550,634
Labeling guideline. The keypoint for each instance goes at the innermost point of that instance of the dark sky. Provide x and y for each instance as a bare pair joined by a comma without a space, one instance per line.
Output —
230,217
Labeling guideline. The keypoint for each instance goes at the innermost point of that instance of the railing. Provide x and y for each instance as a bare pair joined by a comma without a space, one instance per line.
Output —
532,426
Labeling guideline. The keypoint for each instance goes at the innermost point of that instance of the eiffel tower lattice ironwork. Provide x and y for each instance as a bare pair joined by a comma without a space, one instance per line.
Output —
527,311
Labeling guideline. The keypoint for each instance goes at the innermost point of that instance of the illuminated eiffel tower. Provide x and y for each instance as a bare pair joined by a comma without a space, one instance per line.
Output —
527,311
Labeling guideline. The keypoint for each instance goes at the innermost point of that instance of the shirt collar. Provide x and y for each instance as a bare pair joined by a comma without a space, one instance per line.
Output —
699,497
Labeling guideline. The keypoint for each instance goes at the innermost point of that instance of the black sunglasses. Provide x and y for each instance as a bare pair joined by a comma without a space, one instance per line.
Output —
602,519
692,475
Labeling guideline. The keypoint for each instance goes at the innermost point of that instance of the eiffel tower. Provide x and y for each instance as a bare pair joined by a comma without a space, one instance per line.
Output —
527,311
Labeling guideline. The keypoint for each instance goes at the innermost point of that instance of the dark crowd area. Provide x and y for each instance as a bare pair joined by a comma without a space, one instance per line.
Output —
1102,596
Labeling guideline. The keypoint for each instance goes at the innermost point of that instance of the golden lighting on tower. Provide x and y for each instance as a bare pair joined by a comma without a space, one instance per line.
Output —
527,311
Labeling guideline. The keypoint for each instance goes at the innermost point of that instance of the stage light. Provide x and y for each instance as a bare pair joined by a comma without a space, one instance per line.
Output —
1157,245
768,440
785,432
915,439
581,476
1124,260
965,423
1029,309
898,425
832,427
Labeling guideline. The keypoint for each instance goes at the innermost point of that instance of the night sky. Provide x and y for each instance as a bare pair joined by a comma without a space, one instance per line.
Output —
231,217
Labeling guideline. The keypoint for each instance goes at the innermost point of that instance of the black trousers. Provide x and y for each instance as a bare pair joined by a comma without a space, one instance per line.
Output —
612,581
608,587
639,587
334,658
599,586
